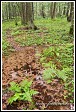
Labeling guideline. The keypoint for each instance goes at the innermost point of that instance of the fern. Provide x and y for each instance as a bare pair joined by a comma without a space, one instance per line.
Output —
51,73
62,75
21,91
14,87
15,97
48,74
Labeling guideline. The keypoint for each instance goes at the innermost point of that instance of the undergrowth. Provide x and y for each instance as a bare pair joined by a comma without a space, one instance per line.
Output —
54,32
6,47
21,91
57,59
58,62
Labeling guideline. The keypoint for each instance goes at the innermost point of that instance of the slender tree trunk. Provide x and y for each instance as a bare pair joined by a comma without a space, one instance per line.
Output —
19,8
69,17
59,13
28,9
13,10
53,10
71,10
60,10
2,16
9,9
36,9
72,19
33,10
15,14
64,11
68,9
42,11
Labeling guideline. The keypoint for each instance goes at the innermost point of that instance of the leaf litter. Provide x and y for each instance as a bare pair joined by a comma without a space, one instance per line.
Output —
23,64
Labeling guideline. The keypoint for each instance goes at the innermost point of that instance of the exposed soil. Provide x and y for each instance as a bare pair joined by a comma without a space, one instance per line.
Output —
23,64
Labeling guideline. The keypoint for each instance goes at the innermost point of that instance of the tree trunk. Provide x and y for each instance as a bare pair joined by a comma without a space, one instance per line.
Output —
29,15
15,13
19,8
2,16
32,11
36,9
9,10
23,14
59,10
42,11
68,9
71,10
68,12
53,10
64,11
72,19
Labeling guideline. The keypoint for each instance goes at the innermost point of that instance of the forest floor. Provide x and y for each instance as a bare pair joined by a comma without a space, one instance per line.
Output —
23,62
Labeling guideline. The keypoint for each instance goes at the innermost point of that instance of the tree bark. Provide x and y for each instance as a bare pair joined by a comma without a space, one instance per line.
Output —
53,10
15,13
68,14
29,15
9,10
23,14
71,10
72,19
64,11
68,9
32,10
36,9
59,10
42,11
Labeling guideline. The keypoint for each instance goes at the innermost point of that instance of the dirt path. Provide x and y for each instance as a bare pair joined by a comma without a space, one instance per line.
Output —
14,44
24,64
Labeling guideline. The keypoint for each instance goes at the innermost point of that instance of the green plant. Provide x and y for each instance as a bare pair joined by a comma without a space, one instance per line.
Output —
6,47
62,74
15,33
64,55
49,74
5,44
69,86
21,91
48,52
